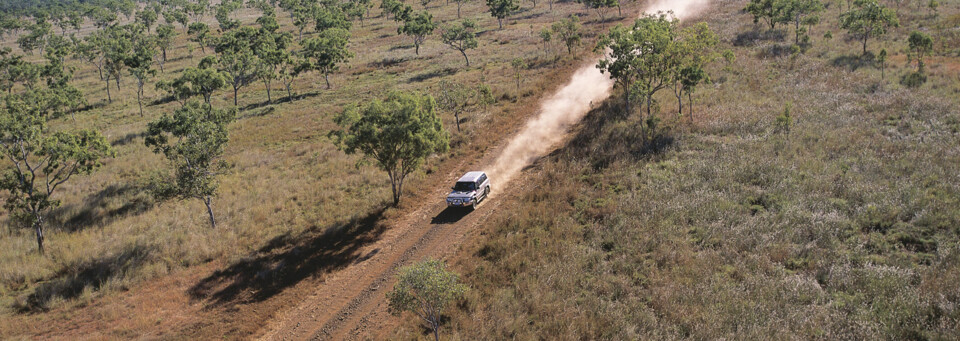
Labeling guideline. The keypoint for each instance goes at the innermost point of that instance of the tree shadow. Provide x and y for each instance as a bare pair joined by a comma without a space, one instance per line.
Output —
74,280
757,36
127,139
608,134
854,62
450,215
111,203
432,74
288,259
387,62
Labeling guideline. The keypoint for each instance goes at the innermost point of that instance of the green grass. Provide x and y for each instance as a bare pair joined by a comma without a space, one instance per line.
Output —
845,228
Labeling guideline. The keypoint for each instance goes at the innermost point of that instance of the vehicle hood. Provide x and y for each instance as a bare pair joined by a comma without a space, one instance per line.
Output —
461,195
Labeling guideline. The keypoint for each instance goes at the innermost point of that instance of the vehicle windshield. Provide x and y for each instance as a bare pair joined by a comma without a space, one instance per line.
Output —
465,186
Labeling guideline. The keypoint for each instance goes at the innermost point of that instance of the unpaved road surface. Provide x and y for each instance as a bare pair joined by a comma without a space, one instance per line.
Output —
351,303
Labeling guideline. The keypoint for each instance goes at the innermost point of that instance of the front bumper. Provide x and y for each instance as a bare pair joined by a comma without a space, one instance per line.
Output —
459,202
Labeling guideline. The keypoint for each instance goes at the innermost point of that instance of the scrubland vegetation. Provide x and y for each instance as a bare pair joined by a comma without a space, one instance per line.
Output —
118,237
792,173
810,198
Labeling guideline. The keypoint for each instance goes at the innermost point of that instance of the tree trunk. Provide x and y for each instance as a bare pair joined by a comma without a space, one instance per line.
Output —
500,22
289,93
207,201
464,53
140,100
164,52
417,48
459,3
267,85
457,116
117,78
326,78
109,99
38,226
690,100
235,95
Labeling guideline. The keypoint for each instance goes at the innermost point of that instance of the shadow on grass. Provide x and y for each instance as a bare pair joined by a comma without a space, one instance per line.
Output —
854,62
607,134
288,259
432,74
93,275
268,104
756,36
111,203
127,139
450,215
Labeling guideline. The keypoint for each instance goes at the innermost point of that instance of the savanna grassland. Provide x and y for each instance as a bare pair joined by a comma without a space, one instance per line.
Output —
809,199
119,263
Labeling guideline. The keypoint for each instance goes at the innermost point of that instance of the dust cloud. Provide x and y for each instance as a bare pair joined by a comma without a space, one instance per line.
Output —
569,105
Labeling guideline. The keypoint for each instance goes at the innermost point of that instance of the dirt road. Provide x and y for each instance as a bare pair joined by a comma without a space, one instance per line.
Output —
351,303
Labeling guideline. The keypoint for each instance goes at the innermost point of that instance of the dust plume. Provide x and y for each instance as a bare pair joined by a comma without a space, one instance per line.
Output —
566,107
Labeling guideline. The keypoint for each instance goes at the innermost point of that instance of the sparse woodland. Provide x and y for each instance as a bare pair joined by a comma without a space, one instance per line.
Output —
768,168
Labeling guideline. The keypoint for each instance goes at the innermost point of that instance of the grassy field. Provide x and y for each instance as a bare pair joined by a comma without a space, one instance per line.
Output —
845,226
113,252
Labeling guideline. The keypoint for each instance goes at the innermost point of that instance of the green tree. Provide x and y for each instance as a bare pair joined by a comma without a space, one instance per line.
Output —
271,50
546,36
236,57
289,70
461,37
200,34
692,51
177,15
802,12
454,97
140,63
165,35
192,139
641,58
882,59
326,51
202,80
518,65
568,30
770,11
426,289
327,17
116,45
600,6
398,134
501,9
920,45
868,19
301,16
459,5
40,159
418,27
223,13
147,17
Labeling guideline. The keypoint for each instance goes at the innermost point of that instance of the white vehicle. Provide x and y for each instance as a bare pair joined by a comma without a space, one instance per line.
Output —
470,190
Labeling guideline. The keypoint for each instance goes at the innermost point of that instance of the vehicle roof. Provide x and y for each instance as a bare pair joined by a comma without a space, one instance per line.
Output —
470,177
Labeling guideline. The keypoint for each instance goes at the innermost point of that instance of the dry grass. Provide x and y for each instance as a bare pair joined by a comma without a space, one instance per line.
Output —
845,228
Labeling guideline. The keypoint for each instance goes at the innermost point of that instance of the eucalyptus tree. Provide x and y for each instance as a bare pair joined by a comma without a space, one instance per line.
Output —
397,133
164,39
39,159
692,51
140,63
326,51
920,45
147,17
802,12
418,27
460,4
236,57
202,80
501,9
600,6
641,58
770,11
200,34
426,289
454,97
568,31
193,139
868,19
461,37
270,47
